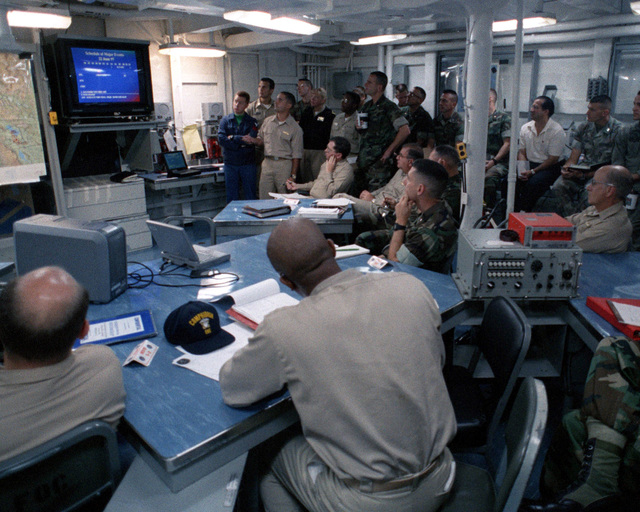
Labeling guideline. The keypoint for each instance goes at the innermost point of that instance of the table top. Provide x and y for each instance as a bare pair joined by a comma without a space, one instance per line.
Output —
610,276
158,181
179,415
232,214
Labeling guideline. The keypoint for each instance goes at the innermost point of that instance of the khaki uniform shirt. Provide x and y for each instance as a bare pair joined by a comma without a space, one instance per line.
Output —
327,184
344,126
260,111
608,231
281,140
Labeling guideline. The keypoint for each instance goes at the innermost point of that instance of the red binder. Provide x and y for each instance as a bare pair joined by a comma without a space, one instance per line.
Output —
601,306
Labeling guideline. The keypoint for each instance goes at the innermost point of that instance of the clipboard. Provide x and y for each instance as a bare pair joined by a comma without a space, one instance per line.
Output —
128,327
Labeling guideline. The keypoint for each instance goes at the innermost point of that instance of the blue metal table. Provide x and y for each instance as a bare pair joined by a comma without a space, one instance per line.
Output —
177,418
231,220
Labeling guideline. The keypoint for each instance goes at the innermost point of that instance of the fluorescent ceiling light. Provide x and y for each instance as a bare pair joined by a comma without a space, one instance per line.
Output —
635,7
385,38
508,25
42,18
264,20
188,50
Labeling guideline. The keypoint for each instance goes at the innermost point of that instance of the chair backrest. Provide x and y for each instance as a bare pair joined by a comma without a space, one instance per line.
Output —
503,338
75,471
522,437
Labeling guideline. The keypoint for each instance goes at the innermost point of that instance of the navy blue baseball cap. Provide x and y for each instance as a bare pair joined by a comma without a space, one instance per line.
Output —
196,327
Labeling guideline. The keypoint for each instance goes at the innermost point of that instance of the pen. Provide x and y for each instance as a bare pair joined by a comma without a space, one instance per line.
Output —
348,249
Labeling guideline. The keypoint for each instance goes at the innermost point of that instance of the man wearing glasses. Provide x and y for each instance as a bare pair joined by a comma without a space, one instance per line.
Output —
604,226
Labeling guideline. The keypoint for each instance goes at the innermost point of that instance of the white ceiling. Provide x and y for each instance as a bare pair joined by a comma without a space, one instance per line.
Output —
341,20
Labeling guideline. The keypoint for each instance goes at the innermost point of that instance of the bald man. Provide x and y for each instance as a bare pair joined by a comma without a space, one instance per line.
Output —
604,226
45,388
366,382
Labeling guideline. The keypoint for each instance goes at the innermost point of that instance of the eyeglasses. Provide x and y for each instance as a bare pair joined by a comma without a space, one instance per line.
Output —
595,182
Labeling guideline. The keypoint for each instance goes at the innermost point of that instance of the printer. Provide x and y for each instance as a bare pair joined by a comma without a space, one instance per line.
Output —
93,252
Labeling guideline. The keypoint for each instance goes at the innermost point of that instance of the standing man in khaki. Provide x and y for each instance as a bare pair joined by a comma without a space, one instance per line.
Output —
260,109
281,138
264,106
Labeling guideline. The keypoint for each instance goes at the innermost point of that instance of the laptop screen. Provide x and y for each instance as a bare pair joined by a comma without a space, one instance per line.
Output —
175,161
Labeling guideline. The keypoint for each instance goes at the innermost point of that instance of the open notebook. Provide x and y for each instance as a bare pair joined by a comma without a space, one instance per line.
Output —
176,246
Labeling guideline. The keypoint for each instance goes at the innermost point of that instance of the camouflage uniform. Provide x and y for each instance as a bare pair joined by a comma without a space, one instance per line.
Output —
421,125
429,240
450,131
452,193
626,151
612,396
596,146
499,127
298,108
384,120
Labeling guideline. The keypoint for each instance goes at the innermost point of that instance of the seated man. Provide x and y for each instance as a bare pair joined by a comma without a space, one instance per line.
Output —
45,388
595,453
541,144
498,145
369,208
448,158
604,226
428,240
336,174
367,384
592,145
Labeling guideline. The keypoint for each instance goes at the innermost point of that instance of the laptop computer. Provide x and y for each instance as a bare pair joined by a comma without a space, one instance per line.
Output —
176,247
177,166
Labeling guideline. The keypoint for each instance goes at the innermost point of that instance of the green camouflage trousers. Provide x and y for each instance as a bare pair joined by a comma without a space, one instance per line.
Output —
612,396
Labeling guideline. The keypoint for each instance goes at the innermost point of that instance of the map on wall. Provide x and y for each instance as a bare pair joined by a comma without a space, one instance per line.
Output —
21,152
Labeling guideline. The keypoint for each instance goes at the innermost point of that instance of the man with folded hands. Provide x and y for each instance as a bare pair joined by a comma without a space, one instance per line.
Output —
336,174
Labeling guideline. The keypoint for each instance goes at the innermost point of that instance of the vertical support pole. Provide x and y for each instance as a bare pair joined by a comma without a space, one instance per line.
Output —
480,41
515,110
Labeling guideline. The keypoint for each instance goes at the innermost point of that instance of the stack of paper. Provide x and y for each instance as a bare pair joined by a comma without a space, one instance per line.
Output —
320,213
346,251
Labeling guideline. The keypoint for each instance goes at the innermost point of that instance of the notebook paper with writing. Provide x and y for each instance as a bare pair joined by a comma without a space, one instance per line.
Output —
254,302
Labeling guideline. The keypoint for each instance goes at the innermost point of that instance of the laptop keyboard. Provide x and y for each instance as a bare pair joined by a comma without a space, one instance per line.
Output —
206,253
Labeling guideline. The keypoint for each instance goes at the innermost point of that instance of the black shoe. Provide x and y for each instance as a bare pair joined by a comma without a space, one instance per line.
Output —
563,505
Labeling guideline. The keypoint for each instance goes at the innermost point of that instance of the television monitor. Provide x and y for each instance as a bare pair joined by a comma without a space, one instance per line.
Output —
99,79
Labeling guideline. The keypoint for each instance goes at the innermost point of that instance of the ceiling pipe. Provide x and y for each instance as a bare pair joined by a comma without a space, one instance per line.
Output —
603,22
586,35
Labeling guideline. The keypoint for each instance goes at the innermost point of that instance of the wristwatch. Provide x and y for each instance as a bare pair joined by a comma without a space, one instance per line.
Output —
399,227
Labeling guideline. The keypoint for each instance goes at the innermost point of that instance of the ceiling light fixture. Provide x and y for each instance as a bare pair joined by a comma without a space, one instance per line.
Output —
510,25
384,38
190,50
40,18
635,7
264,20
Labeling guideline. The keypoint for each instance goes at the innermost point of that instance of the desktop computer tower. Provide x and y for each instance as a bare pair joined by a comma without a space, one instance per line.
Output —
93,252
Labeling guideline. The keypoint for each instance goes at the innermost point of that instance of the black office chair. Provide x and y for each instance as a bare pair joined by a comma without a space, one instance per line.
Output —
503,339
76,471
501,487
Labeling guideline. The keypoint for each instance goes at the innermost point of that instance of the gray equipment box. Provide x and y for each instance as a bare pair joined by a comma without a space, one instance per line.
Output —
488,267
93,252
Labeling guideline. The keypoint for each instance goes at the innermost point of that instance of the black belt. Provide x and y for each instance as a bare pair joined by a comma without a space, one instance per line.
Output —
391,485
